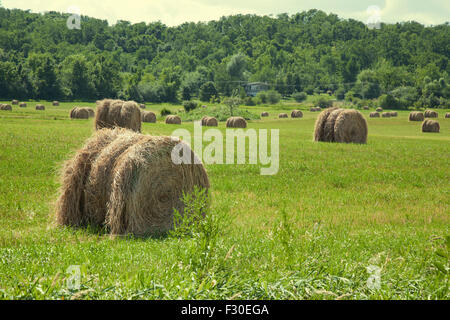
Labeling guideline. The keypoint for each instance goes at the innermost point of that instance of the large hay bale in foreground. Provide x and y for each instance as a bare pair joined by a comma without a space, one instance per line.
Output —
79,113
15,102
173,119
379,109
431,114
374,115
416,116
149,117
236,122
264,114
430,126
55,103
386,115
22,105
341,125
5,107
126,182
283,115
209,121
40,107
447,115
118,113
296,114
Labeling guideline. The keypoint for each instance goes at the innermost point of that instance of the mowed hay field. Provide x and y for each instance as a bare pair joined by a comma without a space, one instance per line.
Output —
313,231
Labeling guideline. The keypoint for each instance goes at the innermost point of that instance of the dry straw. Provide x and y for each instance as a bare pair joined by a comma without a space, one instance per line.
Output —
209,121
374,115
118,113
386,114
173,119
430,114
296,114
264,114
366,108
283,115
22,105
341,125
430,126
126,182
79,113
416,116
55,103
142,106
15,102
149,117
379,109
236,122
40,107
447,115
394,113
5,107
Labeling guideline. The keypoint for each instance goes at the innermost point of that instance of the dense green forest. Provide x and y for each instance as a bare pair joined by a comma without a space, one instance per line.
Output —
406,64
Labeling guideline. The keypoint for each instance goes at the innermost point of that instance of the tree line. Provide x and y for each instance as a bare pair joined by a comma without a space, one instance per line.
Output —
307,52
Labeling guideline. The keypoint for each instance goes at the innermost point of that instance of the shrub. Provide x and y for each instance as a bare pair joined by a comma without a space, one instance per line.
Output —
340,93
387,101
323,103
165,112
190,105
273,96
249,101
300,96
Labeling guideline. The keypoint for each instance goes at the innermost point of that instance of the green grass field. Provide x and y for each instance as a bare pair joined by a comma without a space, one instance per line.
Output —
309,232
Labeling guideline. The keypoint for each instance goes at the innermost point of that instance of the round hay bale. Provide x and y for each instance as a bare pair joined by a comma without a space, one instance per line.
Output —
328,131
431,114
379,109
264,114
447,115
430,126
79,113
416,116
91,112
394,113
236,122
173,119
386,114
142,106
23,105
350,127
211,122
118,113
366,108
296,114
126,182
15,102
40,107
319,128
149,117
55,103
5,107
283,115
374,115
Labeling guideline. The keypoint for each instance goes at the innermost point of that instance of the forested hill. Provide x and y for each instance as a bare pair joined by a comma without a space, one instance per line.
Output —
41,58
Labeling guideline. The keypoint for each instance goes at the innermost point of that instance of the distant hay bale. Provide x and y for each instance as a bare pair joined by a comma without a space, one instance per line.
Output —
15,102
118,113
447,115
236,122
379,109
430,126
366,108
5,107
431,114
91,112
173,119
394,113
416,116
341,125
40,107
142,106
209,121
149,117
296,114
386,114
126,182
374,115
79,113
55,103
283,115
22,105
319,128
315,109
264,114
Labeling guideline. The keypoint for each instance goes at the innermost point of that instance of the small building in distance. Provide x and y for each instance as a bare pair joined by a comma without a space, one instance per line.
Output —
252,88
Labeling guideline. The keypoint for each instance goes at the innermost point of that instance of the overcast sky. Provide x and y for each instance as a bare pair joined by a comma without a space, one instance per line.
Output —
175,12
